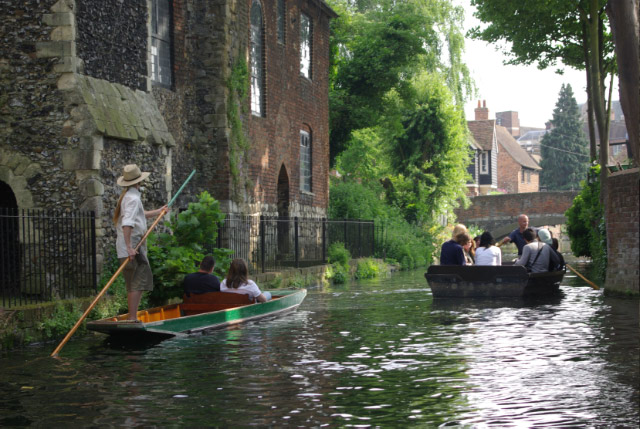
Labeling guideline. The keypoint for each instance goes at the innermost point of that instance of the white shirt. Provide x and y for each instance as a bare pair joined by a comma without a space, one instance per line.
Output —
249,288
131,214
488,256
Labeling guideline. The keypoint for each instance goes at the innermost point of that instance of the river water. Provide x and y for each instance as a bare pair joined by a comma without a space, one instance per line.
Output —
379,353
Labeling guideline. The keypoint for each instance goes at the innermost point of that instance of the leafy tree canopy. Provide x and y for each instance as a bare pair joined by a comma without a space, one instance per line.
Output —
377,47
564,150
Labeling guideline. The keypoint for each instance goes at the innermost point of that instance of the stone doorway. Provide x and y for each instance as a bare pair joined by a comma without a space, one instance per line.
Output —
283,213
10,243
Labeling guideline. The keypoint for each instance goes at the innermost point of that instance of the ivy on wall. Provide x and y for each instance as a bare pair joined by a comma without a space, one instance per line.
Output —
238,86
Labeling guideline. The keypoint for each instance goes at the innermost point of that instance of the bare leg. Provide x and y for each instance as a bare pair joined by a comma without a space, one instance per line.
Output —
133,300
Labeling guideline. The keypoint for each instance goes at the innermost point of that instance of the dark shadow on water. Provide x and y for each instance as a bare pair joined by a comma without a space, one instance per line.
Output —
454,304
134,342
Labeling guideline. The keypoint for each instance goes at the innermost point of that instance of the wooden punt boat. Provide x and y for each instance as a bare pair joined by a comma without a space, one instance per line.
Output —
486,281
215,310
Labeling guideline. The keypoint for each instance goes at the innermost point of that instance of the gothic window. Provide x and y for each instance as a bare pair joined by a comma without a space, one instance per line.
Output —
161,57
484,162
306,33
257,60
305,161
281,20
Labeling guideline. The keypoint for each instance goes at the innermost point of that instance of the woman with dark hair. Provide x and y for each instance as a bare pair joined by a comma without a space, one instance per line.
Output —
238,281
487,253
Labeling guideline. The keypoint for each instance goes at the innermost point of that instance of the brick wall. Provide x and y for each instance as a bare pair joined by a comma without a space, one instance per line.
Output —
510,176
622,231
293,103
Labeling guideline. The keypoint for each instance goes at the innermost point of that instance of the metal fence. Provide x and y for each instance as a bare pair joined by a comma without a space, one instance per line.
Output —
46,255
276,243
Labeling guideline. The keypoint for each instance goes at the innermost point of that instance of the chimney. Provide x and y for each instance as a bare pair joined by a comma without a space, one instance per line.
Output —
482,113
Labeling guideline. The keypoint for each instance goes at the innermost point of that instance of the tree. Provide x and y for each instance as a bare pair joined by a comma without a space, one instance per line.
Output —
624,16
565,157
574,32
428,151
377,47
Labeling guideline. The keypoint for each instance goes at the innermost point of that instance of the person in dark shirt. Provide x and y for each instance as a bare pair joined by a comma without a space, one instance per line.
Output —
202,281
516,236
452,253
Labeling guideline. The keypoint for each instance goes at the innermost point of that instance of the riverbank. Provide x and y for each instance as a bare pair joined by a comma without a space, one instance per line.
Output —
49,321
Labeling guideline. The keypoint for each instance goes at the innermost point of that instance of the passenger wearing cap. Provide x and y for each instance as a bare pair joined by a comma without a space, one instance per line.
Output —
131,225
556,260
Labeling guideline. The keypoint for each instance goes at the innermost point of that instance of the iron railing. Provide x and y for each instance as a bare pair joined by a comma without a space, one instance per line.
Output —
276,243
46,255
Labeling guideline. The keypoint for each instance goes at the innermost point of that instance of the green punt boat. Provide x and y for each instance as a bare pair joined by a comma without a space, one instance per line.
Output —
215,310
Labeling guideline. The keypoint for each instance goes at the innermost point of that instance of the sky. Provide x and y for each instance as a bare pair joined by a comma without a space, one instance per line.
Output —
531,92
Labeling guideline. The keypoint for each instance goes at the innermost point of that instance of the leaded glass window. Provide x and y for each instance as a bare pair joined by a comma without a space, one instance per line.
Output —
305,161
281,20
257,61
306,33
161,42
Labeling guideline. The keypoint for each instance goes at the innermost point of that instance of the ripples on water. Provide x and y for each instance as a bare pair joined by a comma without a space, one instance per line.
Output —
377,353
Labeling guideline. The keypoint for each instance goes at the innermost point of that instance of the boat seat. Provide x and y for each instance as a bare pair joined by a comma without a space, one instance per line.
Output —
212,301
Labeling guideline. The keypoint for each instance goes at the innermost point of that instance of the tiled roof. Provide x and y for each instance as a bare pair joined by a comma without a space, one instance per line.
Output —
514,149
482,132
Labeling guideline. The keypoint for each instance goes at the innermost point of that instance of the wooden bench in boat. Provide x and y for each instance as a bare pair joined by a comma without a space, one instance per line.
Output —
212,301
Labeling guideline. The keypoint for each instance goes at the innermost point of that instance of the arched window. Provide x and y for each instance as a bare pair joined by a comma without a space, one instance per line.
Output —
305,160
257,60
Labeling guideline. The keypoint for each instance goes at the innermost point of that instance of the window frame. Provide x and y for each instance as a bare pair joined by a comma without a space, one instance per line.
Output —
484,162
281,21
309,70
257,68
306,175
165,40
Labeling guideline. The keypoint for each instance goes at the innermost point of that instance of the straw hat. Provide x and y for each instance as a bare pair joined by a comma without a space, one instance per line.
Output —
131,175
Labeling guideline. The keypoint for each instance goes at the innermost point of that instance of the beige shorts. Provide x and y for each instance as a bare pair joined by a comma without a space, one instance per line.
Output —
137,274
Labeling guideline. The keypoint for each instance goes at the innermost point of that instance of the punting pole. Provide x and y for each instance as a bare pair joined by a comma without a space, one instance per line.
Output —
117,273
589,282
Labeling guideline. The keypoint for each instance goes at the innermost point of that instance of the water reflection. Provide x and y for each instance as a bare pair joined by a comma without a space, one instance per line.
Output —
377,353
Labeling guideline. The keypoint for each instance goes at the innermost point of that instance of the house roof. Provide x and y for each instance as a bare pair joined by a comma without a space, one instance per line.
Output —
513,148
617,132
482,132
472,142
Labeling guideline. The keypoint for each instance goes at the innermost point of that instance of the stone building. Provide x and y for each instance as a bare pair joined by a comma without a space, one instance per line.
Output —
237,89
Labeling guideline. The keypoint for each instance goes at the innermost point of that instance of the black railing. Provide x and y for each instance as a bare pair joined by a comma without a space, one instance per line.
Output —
46,255
276,243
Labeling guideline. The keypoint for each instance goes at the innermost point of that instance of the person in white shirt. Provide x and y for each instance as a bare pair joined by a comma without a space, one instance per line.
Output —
237,281
487,253
131,225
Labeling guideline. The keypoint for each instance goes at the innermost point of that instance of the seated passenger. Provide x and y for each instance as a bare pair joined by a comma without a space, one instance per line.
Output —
237,281
451,252
487,253
464,240
556,261
535,254
202,281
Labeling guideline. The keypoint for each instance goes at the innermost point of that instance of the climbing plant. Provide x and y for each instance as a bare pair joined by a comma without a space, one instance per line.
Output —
238,89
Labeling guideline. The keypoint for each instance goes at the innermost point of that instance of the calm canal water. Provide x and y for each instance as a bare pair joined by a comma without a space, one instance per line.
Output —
375,353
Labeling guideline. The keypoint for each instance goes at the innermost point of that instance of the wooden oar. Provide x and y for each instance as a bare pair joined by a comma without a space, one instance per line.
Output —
117,273
589,282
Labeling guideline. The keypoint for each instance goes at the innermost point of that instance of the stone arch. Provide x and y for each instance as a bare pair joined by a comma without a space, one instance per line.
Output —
10,243
283,211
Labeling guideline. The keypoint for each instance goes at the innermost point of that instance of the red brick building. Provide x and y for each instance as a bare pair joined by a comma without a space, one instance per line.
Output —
517,171
484,166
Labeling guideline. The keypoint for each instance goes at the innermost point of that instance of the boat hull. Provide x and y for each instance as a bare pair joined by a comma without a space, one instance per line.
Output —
476,281
284,302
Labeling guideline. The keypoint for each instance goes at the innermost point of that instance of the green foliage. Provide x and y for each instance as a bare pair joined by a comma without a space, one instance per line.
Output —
585,223
337,274
238,86
338,254
172,256
116,300
429,153
377,47
353,200
408,244
564,150
367,269
61,321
